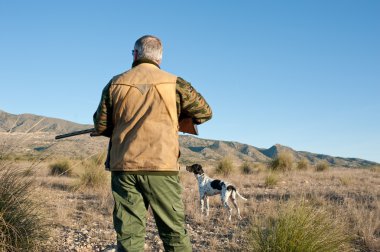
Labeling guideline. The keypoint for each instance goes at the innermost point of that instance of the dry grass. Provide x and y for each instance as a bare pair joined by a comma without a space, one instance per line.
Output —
300,227
23,221
60,168
271,180
93,176
303,164
351,194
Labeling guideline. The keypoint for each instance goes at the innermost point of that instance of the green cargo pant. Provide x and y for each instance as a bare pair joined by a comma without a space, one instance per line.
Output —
133,194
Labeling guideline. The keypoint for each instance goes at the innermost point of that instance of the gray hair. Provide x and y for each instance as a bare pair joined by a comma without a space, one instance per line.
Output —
149,47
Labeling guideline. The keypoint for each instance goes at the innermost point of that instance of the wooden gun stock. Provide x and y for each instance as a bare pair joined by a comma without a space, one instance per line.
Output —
186,125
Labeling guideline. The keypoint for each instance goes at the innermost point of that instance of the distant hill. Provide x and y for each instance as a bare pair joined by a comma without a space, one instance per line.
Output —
193,149
213,150
34,123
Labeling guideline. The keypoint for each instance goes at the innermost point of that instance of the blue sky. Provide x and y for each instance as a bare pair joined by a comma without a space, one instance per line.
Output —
305,74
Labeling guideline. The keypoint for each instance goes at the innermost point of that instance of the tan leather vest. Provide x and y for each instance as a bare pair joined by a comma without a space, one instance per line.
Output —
145,134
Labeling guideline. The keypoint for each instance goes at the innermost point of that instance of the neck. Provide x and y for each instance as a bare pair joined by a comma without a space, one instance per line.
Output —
140,61
200,176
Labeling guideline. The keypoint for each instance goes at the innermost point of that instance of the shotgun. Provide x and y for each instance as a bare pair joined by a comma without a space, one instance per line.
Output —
185,125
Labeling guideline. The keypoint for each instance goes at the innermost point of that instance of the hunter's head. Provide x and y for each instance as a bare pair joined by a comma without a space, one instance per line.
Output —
148,47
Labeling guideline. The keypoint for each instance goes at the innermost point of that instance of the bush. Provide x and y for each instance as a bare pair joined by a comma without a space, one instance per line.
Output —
322,166
22,222
303,164
225,166
283,162
300,228
246,168
60,168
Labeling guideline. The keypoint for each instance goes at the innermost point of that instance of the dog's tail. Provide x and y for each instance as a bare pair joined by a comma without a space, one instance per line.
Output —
233,188
238,194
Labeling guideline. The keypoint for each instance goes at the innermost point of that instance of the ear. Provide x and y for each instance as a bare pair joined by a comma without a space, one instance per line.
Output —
135,55
189,168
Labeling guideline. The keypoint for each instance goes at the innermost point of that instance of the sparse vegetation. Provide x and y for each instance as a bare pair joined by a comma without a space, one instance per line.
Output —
22,220
300,228
225,166
322,166
60,168
283,162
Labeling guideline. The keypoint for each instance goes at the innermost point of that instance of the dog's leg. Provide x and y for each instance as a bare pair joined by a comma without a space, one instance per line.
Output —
207,206
225,196
202,205
234,201
229,210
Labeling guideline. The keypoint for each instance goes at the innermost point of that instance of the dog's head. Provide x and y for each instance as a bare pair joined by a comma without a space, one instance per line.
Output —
195,168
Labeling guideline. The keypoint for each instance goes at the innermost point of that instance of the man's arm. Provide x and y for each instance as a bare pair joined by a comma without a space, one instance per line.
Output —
103,115
191,104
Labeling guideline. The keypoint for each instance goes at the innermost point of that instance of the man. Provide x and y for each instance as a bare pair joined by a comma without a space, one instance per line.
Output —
139,110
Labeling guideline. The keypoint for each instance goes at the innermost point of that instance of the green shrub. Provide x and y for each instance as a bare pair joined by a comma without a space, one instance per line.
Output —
22,221
322,166
283,162
300,228
225,166
60,168
303,164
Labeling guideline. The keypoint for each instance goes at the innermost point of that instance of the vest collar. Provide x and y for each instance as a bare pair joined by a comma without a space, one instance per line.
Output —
140,61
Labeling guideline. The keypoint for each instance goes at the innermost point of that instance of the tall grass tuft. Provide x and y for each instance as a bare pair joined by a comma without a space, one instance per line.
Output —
300,228
60,168
94,175
246,168
283,162
225,166
22,221
322,166
303,164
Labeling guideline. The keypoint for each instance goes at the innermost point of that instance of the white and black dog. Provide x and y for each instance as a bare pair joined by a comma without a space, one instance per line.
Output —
209,187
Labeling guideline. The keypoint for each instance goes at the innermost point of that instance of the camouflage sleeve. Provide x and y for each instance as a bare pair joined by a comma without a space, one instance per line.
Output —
191,104
103,115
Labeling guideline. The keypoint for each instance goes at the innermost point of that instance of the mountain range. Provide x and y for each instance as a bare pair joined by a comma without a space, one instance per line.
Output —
193,149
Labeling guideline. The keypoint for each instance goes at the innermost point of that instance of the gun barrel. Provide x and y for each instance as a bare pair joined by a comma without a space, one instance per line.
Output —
76,133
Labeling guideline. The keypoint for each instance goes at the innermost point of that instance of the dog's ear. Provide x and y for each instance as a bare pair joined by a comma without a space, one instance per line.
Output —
189,168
